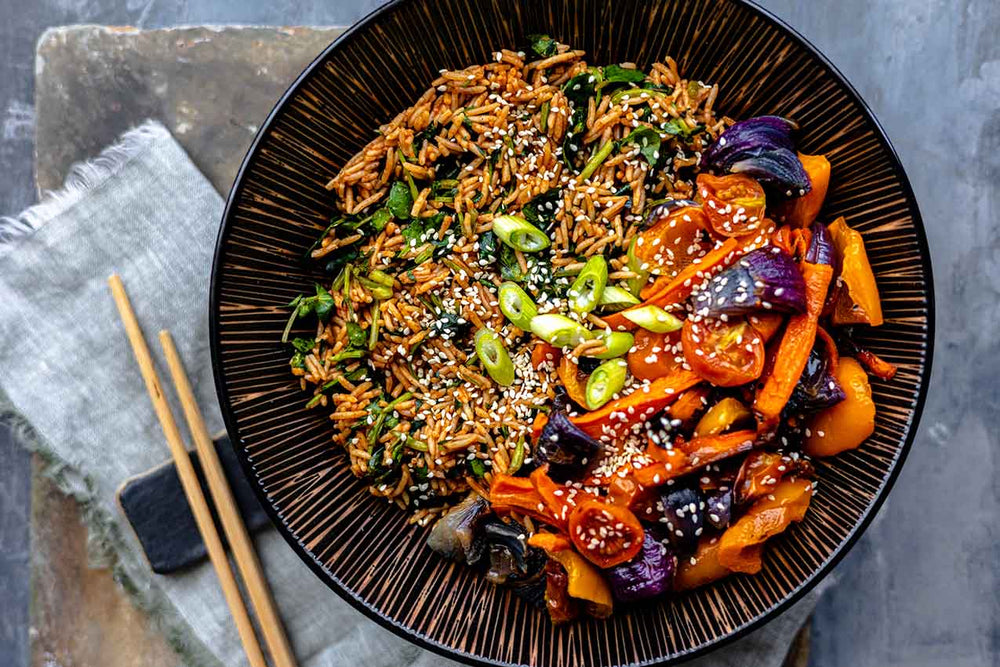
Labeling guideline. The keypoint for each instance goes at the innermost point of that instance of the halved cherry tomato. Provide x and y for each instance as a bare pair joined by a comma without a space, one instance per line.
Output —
673,241
762,470
734,203
727,354
653,355
689,406
544,352
766,324
624,491
604,534
576,387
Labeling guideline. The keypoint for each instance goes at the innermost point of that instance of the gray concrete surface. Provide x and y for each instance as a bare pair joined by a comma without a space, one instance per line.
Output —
920,590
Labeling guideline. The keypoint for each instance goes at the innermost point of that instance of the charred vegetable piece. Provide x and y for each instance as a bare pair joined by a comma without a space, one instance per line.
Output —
818,388
766,278
585,581
648,575
722,416
566,449
703,567
518,494
848,423
857,300
574,381
761,147
719,508
802,211
786,503
454,535
512,562
561,607
727,354
821,249
683,517
586,291
762,470
734,203
605,534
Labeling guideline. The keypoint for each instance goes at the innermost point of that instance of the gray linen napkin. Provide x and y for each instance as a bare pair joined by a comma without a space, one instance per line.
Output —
66,371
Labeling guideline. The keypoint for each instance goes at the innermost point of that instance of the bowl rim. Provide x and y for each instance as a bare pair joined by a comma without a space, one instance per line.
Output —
394,626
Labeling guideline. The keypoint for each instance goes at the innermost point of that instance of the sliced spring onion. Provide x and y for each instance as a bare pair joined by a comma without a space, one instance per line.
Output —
517,458
615,298
381,292
559,330
593,163
617,342
517,305
606,381
588,288
653,318
520,234
373,334
381,277
634,264
496,361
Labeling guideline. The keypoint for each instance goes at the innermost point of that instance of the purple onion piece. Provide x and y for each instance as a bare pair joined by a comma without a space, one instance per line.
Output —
763,279
567,449
682,518
719,508
821,249
761,147
648,575
817,388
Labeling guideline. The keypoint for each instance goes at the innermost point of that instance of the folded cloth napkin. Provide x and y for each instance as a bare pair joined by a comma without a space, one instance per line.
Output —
143,209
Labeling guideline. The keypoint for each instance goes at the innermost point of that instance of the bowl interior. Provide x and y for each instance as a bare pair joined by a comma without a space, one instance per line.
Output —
362,547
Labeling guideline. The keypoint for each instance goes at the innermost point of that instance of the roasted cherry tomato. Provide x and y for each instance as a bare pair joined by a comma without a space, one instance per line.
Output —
604,534
654,355
734,203
727,354
576,386
560,499
673,241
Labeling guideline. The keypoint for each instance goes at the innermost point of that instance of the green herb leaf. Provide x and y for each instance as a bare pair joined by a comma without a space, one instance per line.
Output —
677,127
488,246
400,202
381,218
648,141
582,87
323,305
509,267
541,211
477,468
543,45
618,74
304,345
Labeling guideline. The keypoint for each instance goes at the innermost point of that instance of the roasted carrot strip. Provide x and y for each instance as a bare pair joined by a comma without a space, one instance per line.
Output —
518,494
618,415
694,454
876,365
793,350
569,375
544,352
678,289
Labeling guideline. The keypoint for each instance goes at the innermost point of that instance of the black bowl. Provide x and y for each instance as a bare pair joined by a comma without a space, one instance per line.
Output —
361,547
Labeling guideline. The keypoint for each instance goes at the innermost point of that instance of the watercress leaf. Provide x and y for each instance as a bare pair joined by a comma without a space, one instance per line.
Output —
381,218
304,345
582,87
543,45
677,127
509,267
324,303
477,467
356,335
400,200
618,74
488,246
648,141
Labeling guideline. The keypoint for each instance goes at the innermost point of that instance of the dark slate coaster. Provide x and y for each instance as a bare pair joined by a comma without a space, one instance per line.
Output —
155,506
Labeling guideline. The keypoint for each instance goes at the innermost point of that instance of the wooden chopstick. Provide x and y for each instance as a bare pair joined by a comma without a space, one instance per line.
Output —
189,480
228,512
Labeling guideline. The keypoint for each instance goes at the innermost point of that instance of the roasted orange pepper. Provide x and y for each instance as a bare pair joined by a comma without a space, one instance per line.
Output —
585,581
543,352
569,375
857,300
703,567
849,423
738,546
802,211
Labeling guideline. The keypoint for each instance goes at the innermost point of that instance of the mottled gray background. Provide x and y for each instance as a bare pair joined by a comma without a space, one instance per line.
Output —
921,588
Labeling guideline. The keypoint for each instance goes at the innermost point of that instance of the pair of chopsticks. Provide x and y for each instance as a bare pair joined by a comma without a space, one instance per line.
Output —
236,532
